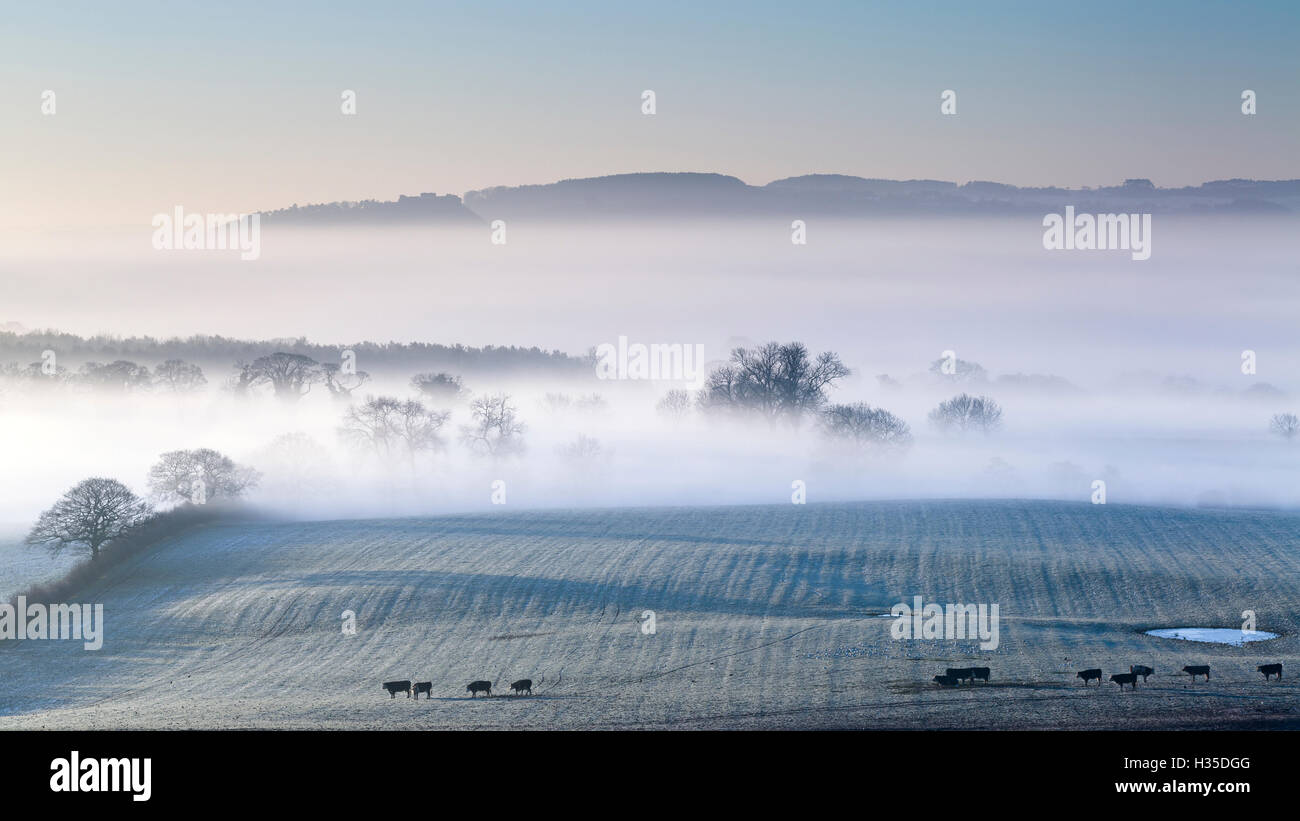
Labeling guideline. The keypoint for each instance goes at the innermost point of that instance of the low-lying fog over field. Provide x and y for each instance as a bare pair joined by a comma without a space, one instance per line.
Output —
1130,372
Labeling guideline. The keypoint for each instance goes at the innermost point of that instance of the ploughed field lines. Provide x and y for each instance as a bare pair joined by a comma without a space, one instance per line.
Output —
763,617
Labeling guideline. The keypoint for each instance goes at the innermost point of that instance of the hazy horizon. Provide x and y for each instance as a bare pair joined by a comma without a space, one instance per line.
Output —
201,107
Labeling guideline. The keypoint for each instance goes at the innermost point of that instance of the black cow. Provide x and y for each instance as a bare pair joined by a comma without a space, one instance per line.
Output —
1195,670
1268,670
945,681
425,687
523,685
1125,678
1089,675
1141,670
960,673
395,687
476,687
981,673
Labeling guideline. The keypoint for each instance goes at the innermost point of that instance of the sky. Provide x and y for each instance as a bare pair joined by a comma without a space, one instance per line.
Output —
236,106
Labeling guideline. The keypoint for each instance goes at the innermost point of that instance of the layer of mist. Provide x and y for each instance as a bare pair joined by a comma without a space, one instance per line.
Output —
1107,368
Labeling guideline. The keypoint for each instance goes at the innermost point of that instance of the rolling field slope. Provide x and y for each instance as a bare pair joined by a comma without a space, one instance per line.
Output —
765,617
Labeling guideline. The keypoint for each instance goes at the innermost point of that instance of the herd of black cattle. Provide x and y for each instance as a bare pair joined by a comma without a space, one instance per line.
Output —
954,676
523,685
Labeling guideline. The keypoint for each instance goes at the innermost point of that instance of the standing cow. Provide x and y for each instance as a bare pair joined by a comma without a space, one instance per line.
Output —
960,673
1271,669
1125,678
1195,670
476,687
395,687
1089,675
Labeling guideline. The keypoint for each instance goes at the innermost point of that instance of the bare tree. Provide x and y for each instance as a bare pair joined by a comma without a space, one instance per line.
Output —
963,371
179,376
582,451
120,375
244,379
496,430
35,374
1285,425
340,383
585,403
390,426
290,375
591,403
90,515
199,476
866,427
775,381
966,413
556,402
296,468
441,388
674,405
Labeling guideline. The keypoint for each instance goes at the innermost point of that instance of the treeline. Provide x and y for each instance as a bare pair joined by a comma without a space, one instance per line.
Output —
784,384
223,352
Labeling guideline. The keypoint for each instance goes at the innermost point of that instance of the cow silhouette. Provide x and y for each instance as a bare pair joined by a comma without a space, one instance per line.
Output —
425,687
981,673
1268,670
476,687
1141,670
1195,670
960,673
1125,678
523,685
395,687
945,681
1089,675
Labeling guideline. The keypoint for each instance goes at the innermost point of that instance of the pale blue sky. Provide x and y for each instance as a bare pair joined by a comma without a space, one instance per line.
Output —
234,106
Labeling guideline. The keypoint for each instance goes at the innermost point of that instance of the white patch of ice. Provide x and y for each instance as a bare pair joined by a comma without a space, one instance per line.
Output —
1215,635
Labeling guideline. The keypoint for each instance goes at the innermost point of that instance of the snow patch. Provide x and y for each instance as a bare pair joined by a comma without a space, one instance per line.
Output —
1214,635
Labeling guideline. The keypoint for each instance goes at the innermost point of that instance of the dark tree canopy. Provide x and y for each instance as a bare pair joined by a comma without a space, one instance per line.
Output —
290,375
775,381
119,375
90,515
442,388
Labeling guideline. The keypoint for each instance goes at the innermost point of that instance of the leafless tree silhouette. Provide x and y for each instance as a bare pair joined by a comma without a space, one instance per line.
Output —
90,515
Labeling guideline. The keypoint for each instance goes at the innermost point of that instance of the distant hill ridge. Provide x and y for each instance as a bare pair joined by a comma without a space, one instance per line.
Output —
690,195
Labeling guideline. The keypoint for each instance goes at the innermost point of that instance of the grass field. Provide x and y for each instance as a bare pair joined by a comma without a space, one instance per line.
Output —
766,617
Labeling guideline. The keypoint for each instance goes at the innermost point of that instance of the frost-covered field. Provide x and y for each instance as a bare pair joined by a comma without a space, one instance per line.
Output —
765,618
22,565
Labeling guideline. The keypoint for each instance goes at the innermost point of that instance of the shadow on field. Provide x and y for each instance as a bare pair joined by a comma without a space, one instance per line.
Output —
505,698
507,593
914,687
